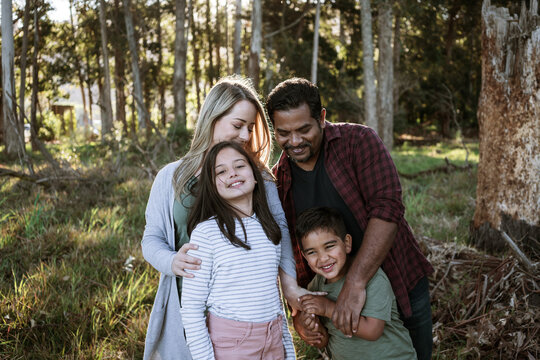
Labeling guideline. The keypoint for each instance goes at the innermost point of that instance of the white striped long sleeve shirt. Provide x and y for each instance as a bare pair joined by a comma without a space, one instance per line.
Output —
232,283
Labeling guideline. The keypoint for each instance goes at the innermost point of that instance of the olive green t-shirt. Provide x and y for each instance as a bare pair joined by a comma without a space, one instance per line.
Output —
395,342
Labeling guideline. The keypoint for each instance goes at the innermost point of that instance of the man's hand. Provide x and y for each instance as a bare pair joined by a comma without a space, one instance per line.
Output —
310,329
182,261
349,305
318,305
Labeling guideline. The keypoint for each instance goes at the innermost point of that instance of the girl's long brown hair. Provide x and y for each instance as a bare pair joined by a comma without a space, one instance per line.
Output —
209,203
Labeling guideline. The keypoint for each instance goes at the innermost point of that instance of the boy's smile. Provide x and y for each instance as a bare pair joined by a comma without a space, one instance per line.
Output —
326,253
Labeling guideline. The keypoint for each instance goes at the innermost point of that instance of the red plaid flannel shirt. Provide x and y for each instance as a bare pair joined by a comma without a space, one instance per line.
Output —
363,173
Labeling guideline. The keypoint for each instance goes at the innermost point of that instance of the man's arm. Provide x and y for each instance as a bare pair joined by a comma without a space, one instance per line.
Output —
378,239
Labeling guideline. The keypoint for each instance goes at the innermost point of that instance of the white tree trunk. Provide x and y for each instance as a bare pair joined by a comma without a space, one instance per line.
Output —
256,43
24,50
13,131
315,56
237,43
179,76
370,96
508,191
107,120
385,96
137,83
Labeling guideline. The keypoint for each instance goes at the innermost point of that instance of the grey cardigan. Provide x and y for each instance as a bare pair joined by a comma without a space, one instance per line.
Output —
165,335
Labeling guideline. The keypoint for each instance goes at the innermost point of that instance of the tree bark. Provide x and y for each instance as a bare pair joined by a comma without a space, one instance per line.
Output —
78,64
370,95
385,98
196,56
315,55
13,130
24,50
160,81
256,43
237,44
508,191
210,40
179,76
35,83
137,82
107,121
119,78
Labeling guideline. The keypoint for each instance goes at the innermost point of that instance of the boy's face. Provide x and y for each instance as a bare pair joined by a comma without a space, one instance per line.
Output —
326,253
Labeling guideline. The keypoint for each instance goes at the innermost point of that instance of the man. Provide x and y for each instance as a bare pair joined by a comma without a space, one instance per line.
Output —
346,166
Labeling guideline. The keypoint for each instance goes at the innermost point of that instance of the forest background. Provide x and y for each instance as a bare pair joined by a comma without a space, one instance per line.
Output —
75,175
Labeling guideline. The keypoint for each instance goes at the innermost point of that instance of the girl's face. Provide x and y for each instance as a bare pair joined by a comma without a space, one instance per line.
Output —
234,177
237,125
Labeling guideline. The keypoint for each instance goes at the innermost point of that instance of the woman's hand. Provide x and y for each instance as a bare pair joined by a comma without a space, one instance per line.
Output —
182,261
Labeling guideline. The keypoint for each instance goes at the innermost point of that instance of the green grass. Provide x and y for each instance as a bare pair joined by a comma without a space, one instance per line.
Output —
65,291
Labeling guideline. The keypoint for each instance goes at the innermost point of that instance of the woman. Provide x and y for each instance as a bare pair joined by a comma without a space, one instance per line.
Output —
231,112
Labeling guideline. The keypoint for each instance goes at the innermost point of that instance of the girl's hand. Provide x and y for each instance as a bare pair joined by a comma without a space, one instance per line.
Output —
182,261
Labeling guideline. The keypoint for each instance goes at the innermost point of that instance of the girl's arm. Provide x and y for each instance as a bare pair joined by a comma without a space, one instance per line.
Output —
195,292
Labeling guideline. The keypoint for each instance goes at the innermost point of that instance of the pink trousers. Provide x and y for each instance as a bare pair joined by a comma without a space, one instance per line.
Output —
245,340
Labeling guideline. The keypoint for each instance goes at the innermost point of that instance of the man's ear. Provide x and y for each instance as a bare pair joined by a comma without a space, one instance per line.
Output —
322,118
348,243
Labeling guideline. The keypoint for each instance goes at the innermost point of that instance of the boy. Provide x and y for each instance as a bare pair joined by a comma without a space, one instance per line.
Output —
381,334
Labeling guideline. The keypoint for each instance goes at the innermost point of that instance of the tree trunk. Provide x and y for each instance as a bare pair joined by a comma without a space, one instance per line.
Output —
137,82
161,82
119,79
370,95
35,83
385,98
13,130
210,40
89,87
24,50
397,56
256,43
196,56
237,44
508,191
179,76
107,121
217,42
78,64
315,55
227,38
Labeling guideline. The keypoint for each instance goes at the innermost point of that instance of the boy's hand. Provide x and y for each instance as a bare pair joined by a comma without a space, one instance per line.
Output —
318,305
315,333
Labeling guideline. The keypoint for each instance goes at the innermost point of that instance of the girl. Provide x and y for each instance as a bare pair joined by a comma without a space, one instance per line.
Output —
239,245
231,111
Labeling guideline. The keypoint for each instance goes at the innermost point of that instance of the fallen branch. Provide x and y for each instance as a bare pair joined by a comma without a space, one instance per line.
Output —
520,254
445,168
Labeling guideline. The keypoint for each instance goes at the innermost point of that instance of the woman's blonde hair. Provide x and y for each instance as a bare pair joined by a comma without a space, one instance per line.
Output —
219,102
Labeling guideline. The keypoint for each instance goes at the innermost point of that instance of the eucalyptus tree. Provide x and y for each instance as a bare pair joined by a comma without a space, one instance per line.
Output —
385,75
179,75
106,106
237,42
370,96
256,43
13,129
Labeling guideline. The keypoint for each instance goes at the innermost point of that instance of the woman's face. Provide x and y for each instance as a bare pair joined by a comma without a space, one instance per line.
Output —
234,176
237,125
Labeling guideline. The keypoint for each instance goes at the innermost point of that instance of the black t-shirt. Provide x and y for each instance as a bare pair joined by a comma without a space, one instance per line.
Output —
314,189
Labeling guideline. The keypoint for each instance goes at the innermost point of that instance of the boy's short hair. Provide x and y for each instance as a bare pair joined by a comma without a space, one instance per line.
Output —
319,218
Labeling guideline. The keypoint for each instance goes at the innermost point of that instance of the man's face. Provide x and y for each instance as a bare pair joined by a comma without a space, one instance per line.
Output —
299,135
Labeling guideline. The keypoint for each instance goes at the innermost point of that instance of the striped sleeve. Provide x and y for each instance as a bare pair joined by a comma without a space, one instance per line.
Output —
287,340
287,262
195,293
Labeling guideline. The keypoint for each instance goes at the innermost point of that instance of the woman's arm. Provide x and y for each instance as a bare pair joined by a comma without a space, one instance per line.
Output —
195,292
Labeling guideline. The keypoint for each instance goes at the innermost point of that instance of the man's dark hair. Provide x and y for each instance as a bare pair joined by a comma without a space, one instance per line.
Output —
320,218
208,203
292,93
